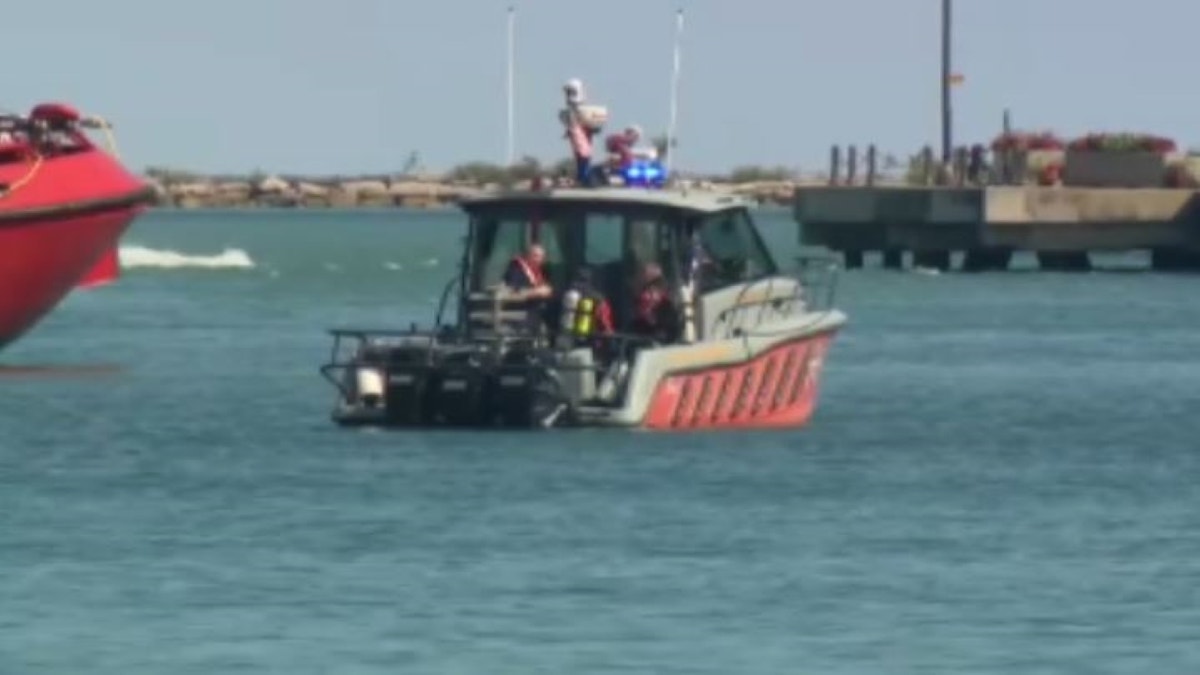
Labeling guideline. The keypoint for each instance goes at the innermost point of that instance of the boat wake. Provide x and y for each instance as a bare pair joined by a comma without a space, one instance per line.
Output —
133,257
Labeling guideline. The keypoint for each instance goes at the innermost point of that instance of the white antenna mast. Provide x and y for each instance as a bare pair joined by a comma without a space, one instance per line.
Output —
674,92
511,149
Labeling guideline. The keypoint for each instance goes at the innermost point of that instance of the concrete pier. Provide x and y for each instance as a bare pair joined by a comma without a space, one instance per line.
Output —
1061,225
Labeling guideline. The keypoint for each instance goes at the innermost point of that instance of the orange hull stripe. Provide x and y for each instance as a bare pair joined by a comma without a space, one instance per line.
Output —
776,389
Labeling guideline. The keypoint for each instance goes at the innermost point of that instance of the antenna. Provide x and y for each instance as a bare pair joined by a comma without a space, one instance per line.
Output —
511,149
674,92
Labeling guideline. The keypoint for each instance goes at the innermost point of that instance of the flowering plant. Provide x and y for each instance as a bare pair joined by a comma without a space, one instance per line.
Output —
1024,140
1050,174
1123,142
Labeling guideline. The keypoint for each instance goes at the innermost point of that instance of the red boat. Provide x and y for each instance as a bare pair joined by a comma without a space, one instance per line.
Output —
64,204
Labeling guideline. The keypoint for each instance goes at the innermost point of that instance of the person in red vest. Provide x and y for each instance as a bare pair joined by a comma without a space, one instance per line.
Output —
525,273
620,148
526,276
654,311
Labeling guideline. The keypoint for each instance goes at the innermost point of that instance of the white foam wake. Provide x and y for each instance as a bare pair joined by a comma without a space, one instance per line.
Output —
141,256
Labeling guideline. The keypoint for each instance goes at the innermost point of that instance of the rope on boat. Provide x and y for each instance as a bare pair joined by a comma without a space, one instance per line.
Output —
92,122
21,182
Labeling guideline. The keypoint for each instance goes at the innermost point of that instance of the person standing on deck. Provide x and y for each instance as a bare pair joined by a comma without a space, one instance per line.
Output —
655,313
525,274
526,277
578,133
621,147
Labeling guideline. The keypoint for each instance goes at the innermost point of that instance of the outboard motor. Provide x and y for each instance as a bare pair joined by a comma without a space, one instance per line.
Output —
526,392
456,392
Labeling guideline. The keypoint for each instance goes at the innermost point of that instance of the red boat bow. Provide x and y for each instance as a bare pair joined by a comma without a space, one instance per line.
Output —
64,204
105,272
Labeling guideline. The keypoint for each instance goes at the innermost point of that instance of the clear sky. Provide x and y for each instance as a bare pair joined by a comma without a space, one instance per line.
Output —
318,86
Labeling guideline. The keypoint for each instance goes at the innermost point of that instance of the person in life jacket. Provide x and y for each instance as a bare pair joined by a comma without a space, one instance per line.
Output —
620,147
586,314
525,275
654,315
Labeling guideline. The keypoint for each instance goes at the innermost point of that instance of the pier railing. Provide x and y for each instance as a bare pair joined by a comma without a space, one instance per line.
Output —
967,167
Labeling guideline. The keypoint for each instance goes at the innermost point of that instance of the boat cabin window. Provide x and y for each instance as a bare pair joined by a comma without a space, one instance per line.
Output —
735,251
614,240
627,238
616,245
603,241
498,238
649,241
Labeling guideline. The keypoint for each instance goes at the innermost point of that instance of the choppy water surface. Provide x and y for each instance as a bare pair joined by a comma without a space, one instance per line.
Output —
1001,477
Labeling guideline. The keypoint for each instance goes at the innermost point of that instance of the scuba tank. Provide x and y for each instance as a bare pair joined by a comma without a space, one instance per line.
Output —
570,305
584,311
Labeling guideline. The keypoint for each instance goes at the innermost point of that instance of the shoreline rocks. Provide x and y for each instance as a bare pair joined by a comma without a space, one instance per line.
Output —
199,192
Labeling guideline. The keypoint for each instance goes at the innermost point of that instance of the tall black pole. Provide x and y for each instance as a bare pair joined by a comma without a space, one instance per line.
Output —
946,135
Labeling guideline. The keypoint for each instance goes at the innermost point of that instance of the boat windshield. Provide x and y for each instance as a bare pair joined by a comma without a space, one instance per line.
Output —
499,237
735,251
614,240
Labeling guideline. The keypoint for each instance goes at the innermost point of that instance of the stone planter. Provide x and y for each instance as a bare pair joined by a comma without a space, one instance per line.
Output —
1130,169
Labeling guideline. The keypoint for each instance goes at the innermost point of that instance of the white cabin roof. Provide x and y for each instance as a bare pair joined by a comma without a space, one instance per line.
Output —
674,198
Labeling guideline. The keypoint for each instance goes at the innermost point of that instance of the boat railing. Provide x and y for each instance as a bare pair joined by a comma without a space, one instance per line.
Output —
490,310
52,128
445,300
818,276
810,289
618,347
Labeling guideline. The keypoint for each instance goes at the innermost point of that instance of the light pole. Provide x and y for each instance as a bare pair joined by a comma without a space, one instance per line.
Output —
510,156
946,75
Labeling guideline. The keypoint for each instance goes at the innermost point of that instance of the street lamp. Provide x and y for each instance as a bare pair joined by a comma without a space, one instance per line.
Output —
946,81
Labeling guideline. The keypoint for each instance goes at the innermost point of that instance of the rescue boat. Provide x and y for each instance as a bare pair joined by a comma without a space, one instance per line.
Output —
750,347
64,204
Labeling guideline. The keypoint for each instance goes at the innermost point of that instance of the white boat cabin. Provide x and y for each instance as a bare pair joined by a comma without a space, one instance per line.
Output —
616,232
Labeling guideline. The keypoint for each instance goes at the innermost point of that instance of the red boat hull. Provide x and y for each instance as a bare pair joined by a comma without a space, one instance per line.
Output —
58,218
776,389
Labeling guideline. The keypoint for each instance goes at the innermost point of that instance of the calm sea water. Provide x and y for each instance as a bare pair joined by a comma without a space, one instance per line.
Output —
1003,475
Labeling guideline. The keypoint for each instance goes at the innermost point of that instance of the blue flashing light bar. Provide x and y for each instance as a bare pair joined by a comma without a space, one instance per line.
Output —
647,173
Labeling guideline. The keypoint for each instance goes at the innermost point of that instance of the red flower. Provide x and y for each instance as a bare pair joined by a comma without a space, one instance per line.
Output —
1021,140
1123,142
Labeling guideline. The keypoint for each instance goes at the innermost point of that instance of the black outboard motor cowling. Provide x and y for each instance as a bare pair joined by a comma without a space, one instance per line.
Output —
408,394
456,394
469,385
526,392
